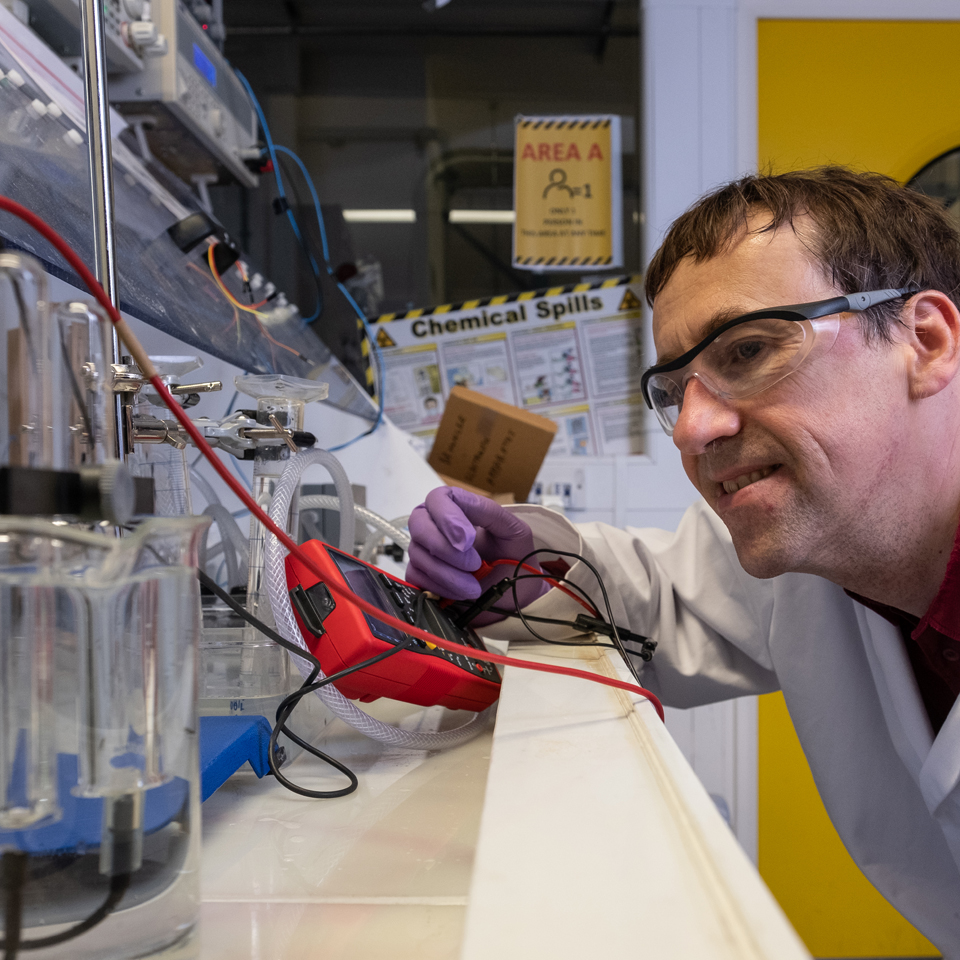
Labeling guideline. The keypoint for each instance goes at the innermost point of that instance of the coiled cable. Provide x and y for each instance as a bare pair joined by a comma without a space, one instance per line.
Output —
276,577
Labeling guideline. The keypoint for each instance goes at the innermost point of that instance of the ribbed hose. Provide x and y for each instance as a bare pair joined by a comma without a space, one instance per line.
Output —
387,528
276,578
368,552
203,485
236,548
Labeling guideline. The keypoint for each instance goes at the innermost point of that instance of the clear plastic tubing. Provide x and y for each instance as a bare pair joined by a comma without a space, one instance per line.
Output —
384,527
276,577
236,547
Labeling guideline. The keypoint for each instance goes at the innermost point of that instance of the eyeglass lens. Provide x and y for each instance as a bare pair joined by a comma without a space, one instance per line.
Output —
741,361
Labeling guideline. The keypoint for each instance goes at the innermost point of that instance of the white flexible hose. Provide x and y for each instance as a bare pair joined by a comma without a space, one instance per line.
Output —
384,527
276,578
368,551
236,548
203,485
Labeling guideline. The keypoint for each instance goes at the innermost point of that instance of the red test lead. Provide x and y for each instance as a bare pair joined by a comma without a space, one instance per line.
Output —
143,362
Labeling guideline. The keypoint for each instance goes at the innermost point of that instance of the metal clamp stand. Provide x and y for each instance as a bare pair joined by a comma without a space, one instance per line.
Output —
100,156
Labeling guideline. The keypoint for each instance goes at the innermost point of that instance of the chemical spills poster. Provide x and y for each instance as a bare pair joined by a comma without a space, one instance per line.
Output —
568,193
573,354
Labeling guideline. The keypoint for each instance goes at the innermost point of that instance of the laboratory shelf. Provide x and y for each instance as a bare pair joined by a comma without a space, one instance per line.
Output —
574,828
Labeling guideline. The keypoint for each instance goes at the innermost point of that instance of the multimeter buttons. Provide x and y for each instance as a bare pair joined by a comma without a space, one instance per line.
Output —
404,597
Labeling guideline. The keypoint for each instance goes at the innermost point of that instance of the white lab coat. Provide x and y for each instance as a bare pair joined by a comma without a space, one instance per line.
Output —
891,789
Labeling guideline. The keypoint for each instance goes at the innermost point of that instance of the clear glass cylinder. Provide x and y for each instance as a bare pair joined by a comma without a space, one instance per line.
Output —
86,401
163,463
104,633
168,468
28,752
29,366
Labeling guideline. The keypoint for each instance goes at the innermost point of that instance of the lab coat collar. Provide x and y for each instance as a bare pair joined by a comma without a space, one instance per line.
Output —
941,771
933,763
903,710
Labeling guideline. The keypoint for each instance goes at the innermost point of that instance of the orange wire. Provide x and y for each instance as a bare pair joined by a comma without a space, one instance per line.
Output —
215,293
264,331
221,285
239,306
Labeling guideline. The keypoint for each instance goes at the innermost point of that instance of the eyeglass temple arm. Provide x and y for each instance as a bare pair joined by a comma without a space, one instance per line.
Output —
852,302
858,302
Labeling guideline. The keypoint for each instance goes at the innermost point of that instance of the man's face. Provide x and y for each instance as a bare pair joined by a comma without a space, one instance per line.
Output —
802,472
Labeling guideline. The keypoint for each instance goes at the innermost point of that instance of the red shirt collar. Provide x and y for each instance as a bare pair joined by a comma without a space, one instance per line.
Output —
944,613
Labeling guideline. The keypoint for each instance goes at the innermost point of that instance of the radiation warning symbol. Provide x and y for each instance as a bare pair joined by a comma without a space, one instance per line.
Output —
629,301
384,340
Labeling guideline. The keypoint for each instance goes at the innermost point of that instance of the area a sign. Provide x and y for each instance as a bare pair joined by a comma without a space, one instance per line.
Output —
568,193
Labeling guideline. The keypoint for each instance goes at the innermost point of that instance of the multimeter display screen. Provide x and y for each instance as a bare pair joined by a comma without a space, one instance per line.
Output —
362,582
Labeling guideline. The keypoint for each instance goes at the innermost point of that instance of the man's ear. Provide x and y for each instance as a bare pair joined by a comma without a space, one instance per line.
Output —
931,331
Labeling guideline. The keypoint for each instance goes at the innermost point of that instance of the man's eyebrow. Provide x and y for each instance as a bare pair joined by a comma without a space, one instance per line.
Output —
716,321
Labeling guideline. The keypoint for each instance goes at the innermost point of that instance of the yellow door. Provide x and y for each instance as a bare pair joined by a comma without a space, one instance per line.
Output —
883,96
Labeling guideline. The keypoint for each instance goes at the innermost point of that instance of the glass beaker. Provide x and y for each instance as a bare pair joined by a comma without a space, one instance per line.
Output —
99,770
86,413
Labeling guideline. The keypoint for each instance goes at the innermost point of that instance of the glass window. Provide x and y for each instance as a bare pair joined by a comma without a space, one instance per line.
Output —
403,114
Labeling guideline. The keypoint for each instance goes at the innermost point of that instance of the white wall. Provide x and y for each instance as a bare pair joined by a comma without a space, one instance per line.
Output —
690,143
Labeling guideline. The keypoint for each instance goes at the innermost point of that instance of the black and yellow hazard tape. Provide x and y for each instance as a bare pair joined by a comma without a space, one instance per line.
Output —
579,124
366,359
632,301
563,261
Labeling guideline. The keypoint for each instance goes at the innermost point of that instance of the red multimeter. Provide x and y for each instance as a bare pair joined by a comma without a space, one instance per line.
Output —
340,634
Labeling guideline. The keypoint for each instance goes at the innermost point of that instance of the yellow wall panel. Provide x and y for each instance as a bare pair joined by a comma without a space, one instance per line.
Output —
875,95
831,904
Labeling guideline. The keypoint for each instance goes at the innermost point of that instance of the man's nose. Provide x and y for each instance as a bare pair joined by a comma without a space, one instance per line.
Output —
704,417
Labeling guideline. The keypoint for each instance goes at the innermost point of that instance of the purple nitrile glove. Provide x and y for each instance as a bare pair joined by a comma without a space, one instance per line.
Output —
453,532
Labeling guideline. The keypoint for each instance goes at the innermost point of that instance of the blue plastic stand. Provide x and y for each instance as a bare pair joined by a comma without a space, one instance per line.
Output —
226,744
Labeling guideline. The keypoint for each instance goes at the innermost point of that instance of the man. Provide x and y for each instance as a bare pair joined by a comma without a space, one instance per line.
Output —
824,559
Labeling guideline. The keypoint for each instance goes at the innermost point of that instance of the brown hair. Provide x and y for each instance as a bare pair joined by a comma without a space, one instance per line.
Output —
870,233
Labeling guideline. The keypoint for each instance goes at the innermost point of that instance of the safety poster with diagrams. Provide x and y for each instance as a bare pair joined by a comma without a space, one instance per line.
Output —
573,354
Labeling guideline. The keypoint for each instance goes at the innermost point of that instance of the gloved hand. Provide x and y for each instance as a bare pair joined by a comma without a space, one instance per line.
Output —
453,532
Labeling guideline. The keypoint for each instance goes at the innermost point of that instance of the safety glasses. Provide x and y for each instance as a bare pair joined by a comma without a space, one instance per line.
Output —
752,352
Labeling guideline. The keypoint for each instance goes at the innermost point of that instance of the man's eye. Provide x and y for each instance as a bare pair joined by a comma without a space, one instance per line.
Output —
663,397
747,350
744,351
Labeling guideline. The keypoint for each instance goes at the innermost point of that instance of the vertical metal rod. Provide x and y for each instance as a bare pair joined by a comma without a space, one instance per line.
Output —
100,155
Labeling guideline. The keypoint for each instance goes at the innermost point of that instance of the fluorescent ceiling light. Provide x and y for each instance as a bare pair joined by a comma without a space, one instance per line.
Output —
380,216
482,216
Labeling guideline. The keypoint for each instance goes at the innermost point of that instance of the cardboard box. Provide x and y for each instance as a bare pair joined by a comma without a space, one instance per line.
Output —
504,499
489,444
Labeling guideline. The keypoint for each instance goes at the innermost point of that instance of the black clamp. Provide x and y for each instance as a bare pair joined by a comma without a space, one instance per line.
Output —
594,625
313,605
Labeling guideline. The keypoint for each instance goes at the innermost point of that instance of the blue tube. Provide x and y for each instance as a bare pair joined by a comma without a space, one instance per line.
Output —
353,303
273,149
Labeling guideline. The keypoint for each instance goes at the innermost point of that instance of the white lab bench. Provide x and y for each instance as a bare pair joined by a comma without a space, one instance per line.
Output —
574,828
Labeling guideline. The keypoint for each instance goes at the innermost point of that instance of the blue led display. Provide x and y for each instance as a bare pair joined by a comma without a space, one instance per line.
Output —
202,62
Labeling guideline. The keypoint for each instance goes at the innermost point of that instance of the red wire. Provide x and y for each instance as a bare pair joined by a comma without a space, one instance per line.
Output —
343,593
